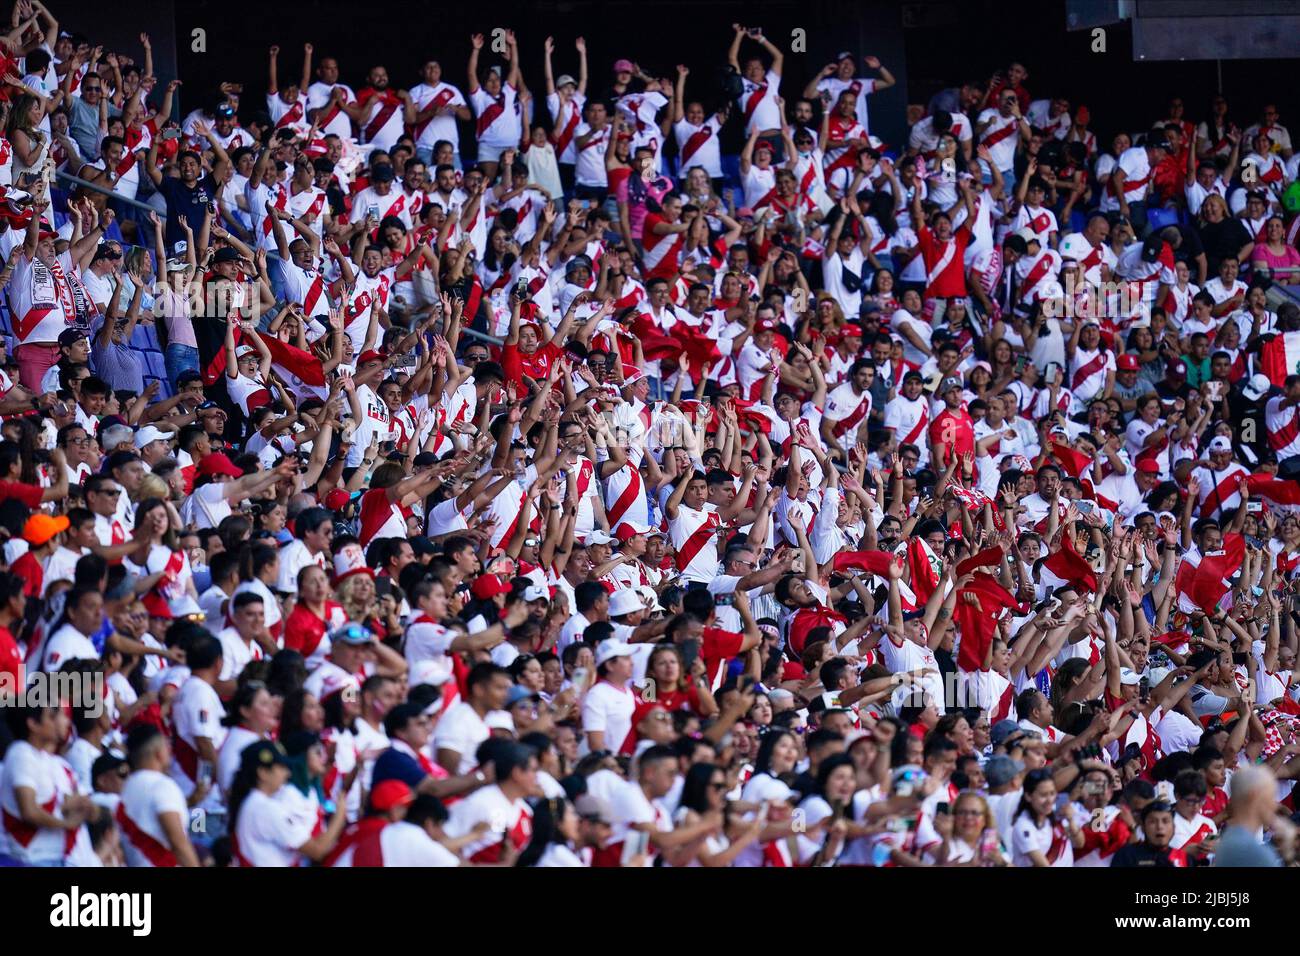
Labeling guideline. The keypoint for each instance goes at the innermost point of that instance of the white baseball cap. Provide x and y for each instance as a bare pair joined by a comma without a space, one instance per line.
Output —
625,601
1220,443
1257,387
596,536
609,649
148,434
1129,677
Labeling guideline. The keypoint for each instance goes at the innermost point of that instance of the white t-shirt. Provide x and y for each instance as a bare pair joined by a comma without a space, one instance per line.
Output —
269,832
608,709
461,729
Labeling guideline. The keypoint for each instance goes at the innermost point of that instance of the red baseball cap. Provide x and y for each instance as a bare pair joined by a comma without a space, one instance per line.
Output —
217,463
337,499
630,529
374,355
1127,363
764,325
487,586
389,794
1148,465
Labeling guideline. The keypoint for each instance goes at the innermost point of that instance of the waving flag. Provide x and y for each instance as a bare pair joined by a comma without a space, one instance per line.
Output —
1069,568
977,624
1280,357
1282,491
1202,582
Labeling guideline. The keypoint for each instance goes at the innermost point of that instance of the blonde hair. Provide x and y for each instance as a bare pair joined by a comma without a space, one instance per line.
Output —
989,822
1216,200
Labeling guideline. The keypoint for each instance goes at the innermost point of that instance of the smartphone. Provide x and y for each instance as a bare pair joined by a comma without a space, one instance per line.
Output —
634,845
170,134
1084,506
1144,690
1254,507
690,652
580,676
383,586
1238,659
372,211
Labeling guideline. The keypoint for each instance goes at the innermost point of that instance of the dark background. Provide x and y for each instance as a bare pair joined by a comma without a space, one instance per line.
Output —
927,45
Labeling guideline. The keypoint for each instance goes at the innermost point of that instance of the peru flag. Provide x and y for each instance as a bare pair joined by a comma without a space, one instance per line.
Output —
1280,357
1201,584
1282,491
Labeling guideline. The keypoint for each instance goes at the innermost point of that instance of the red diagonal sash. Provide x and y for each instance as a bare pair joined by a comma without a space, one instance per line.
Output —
1085,371
692,545
696,140
441,100
754,99
489,115
381,118
566,135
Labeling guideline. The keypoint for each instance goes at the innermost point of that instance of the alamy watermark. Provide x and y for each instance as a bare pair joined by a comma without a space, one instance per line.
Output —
84,691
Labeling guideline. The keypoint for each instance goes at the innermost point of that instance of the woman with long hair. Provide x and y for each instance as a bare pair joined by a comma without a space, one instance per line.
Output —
1040,835
704,792
31,146
251,716
555,836
832,802
778,754
301,711
266,830
314,615
674,688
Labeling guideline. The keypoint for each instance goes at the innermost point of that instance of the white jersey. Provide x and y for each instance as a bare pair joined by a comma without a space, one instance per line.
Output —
332,121
832,86
146,796
429,131
699,146
269,831
695,541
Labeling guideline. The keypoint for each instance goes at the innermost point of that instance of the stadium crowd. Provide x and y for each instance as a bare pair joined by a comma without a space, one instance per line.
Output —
496,472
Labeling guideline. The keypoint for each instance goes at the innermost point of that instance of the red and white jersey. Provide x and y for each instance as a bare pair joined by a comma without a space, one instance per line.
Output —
1042,220
758,183
308,204
1088,371
753,366
608,710
237,138
1191,832
334,120
909,420
307,288
1038,277
695,541
1283,424
1137,176
146,796
589,169
625,497
699,146
237,653
1220,490
42,299
507,819
847,132
394,204
269,831
758,102
496,118
429,131
427,648
848,410
38,771
907,655
1000,137
567,115
662,251
248,393
196,712
1102,844
289,115
925,140
366,291
1135,436
380,517
832,86
383,120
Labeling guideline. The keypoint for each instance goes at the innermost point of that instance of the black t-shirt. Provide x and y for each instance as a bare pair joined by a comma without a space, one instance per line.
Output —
186,201
1141,854
1222,240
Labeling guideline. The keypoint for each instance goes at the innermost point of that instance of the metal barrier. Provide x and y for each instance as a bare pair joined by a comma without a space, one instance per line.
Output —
96,187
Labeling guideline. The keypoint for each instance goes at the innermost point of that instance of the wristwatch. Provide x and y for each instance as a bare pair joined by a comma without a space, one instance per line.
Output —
480,776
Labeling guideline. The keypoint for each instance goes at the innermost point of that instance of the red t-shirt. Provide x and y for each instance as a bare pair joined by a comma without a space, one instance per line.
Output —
33,575
30,495
944,266
953,431
536,366
717,648
10,660
303,629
